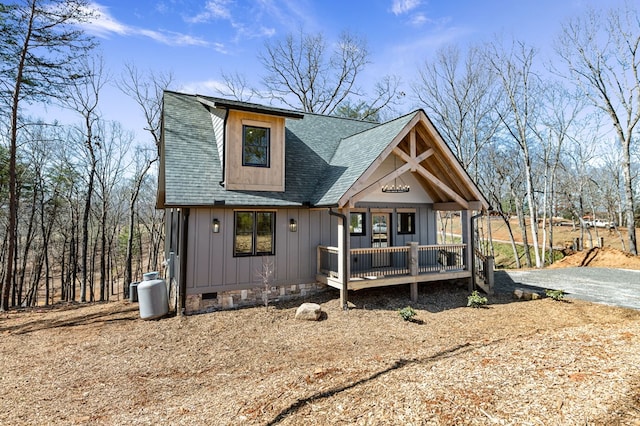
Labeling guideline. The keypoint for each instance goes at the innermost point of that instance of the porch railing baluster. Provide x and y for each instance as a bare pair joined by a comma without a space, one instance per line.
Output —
370,263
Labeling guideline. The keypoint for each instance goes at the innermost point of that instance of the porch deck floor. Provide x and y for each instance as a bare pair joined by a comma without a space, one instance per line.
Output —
370,281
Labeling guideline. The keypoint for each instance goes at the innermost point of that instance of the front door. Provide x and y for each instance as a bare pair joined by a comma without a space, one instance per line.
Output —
380,238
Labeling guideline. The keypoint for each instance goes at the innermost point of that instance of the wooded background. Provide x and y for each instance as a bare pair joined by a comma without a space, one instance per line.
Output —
544,137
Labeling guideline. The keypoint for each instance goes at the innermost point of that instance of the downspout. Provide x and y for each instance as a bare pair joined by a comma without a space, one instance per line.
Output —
183,262
345,255
224,145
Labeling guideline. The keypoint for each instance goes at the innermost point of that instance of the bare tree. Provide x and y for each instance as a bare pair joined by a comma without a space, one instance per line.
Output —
236,87
143,161
602,56
146,90
560,117
303,73
521,89
460,95
501,181
40,48
83,98
575,182
111,170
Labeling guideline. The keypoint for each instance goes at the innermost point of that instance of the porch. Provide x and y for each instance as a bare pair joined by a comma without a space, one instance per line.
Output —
410,264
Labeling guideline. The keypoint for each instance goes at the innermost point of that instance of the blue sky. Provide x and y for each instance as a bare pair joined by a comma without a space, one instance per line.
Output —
197,40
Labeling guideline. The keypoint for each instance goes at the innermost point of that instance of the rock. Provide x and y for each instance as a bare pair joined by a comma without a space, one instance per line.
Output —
525,294
309,312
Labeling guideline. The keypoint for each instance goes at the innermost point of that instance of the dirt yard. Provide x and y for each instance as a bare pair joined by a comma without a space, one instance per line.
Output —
562,235
606,257
539,362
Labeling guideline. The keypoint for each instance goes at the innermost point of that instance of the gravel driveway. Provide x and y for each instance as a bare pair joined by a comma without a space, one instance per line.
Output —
617,287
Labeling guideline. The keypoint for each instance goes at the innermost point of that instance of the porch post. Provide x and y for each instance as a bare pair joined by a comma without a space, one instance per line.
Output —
489,267
465,218
344,256
413,268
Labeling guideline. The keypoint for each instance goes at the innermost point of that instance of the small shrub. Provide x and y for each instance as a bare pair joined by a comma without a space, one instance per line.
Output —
407,313
555,294
475,300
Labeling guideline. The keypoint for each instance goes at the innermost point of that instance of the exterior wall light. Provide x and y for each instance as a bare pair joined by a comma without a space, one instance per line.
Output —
215,225
293,225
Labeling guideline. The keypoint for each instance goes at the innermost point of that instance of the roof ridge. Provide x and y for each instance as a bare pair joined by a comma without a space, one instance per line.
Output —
377,125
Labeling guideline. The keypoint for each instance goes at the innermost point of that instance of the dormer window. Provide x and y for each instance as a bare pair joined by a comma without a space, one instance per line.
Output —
256,145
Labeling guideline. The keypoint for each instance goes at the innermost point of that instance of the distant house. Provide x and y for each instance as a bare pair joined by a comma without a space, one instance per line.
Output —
313,200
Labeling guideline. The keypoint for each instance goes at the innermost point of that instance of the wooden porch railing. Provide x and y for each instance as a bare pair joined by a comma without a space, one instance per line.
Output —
394,261
378,262
483,270
328,261
437,258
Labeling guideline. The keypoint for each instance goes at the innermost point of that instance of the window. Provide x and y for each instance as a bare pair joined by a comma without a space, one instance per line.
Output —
254,233
406,223
255,146
357,224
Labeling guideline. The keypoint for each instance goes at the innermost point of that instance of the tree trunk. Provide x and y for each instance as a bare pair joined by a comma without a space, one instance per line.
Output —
27,246
532,209
103,251
128,273
85,220
523,230
132,203
13,143
628,200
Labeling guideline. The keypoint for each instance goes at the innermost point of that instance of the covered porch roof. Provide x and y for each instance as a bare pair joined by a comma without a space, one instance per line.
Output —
418,149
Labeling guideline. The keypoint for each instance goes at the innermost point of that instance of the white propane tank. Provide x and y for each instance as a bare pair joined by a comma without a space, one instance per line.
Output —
152,299
150,276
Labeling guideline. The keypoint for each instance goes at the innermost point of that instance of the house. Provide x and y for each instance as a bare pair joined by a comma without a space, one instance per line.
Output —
268,202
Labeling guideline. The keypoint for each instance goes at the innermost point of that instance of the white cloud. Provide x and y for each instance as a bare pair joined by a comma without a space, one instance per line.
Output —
291,14
220,48
172,39
102,24
421,47
207,86
221,10
214,9
400,7
419,19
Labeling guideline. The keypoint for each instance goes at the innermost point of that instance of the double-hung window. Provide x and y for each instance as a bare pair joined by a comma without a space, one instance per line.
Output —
254,233
256,145
357,224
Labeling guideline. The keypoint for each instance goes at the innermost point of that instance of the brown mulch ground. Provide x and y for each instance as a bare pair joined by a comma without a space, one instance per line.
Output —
527,363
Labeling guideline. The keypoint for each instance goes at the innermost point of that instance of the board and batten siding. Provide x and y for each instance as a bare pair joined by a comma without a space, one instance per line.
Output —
211,266
426,232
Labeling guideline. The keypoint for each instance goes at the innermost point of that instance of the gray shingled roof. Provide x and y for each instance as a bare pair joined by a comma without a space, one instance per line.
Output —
353,157
247,106
191,163
324,157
